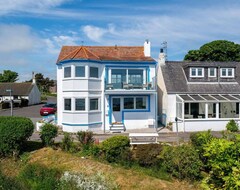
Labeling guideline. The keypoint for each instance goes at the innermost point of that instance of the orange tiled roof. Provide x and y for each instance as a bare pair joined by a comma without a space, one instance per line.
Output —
103,53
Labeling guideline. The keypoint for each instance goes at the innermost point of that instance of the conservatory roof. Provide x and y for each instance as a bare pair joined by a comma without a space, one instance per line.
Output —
209,97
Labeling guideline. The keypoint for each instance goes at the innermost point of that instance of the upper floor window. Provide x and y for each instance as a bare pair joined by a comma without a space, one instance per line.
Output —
93,72
196,72
212,72
79,71
227,72
67,72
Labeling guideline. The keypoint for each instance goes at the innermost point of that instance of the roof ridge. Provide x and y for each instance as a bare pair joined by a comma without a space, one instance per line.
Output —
76,50
92,53
84,50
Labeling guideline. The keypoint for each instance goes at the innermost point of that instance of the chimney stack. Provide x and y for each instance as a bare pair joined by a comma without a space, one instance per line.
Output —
33,78
162,57
147,48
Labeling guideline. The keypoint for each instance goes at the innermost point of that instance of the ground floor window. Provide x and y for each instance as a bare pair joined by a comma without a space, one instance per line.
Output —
80,104
93,104
128,103
141,103
67,104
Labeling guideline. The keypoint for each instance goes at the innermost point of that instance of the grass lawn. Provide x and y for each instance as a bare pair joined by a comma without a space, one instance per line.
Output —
125,178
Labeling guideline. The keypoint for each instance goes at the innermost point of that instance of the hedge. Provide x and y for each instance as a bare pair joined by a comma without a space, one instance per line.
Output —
14,131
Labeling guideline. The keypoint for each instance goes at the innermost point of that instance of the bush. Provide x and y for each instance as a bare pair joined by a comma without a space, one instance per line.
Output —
182,162
115,148
38,177
67,142
80,181
232,126
223,159
85,138
14,132
146,154
200,139
48,133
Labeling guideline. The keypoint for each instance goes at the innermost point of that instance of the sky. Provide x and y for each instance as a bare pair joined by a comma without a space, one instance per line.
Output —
32,32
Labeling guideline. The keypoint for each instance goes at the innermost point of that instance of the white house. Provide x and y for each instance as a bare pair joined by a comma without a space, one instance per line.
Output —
202,95
20,91
106,88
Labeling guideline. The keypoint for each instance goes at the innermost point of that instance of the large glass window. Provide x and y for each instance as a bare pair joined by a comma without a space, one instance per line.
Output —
80,104
94,104
141,103
118,77
211,110
135,76
79,71
128,103
228,110
67,72
93,72
67,104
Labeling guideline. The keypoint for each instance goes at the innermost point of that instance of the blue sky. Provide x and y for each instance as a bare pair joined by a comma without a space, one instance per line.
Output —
32,32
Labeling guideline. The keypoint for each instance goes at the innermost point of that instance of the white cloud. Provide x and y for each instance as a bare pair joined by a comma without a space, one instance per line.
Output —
55,43
15,38
27,5
95,33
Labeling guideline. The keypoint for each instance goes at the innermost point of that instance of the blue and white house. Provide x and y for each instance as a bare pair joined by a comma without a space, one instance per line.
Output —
106,88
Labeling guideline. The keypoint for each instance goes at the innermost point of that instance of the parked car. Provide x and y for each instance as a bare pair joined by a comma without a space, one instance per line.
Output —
49,108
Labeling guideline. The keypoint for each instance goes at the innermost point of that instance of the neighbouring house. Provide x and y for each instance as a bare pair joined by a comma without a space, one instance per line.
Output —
26,93
202,95
106,88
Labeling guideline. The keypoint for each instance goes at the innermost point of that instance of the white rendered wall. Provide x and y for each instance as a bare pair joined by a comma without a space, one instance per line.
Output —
171,107
202,125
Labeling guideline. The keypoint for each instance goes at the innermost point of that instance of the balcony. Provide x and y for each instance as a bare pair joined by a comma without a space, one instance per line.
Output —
131,86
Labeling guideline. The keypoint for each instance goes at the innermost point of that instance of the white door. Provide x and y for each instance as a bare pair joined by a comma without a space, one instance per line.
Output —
116,110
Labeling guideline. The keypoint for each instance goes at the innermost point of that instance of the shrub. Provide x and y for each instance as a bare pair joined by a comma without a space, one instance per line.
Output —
232,126
48,133
80,181
115,147
200,139
223,157
38,177
146,154
67,142
85,138
14,132
182,162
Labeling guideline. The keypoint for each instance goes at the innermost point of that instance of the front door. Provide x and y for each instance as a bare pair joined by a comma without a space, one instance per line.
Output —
116,110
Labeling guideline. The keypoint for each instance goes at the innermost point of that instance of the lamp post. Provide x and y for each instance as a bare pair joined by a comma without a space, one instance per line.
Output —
176,119
11,103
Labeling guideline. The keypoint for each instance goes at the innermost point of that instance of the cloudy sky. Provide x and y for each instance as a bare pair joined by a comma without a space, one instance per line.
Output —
33,31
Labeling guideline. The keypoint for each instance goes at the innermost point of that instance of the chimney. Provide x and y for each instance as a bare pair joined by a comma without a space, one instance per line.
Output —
162,57
147,48
33,78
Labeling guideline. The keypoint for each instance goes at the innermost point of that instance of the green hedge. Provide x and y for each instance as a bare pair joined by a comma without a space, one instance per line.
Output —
14,131
48,133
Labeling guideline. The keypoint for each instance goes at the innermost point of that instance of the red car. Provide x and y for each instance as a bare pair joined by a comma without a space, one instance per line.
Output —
47,109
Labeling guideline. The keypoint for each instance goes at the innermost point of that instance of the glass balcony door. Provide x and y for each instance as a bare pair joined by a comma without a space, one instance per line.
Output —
118,78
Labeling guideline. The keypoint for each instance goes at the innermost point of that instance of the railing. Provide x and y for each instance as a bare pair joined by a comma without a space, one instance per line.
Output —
131,86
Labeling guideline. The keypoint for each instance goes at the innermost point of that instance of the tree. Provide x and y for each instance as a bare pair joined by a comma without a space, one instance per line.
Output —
8,76
43,83
219,50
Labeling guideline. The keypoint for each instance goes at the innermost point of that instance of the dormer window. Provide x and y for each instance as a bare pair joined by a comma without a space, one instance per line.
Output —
196,72
212,72
227,72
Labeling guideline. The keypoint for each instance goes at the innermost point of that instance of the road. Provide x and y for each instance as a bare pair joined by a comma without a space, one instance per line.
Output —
31,112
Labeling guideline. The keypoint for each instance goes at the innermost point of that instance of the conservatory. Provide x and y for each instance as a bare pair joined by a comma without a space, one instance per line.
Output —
199,112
